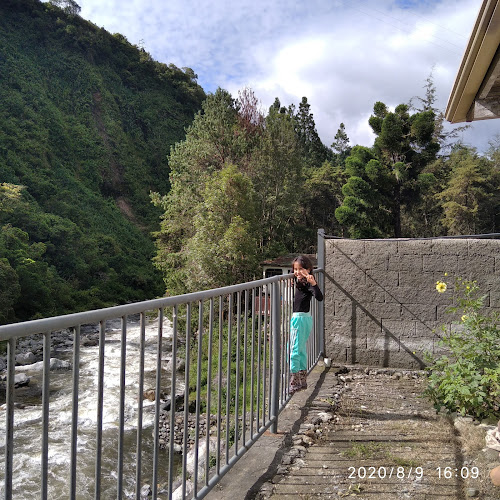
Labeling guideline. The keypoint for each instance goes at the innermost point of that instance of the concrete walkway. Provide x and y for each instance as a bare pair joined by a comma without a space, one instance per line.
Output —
353,432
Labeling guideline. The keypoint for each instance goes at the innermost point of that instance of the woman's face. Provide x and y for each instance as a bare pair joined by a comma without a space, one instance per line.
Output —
300,272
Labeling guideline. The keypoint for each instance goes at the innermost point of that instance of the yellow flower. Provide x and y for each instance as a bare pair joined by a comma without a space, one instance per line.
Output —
446,274
441,286
465,317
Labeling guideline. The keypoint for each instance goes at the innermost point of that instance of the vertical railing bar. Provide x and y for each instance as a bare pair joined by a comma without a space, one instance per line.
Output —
228,374
252,366
245,354
259,337
74,410
173,380
9,417
100,403
185,435
271,346
219,386
121,431
264,356
237,378
140,399
156,447
275,356
45,414
284,315
198,395
209,389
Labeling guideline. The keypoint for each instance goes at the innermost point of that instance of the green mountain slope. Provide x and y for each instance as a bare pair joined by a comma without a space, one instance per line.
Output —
86,124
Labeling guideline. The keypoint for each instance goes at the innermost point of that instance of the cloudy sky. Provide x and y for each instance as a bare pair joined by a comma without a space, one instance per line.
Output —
343,55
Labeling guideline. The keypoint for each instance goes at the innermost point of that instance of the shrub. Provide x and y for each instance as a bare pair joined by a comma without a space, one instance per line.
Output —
467,379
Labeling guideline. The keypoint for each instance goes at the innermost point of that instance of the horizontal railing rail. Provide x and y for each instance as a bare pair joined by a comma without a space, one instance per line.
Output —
215,364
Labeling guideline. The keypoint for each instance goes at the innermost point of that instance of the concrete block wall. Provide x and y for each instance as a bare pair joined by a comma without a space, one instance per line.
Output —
381,304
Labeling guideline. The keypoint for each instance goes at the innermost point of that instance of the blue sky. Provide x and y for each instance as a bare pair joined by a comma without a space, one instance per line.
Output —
343,55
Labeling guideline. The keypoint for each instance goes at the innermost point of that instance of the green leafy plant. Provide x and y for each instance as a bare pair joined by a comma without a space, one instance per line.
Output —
467,378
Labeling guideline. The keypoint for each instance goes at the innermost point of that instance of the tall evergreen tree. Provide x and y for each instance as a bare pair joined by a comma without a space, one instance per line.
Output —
389,176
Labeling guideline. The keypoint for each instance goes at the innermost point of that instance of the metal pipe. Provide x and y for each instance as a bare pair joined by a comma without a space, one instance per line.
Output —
209,389
156,448
173,379
100,402
121,418
228,373
198,395
74,411
275,334
219,388
185,436
9,417
45,413
140,398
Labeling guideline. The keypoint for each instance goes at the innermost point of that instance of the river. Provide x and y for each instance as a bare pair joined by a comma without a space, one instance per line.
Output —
28,427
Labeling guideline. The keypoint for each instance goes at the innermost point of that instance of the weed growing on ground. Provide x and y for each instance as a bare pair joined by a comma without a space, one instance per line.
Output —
467,379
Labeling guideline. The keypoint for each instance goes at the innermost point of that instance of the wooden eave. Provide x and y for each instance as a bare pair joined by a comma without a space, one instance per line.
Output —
476,91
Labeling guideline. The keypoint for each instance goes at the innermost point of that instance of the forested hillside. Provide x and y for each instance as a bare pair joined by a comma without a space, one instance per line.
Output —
87,121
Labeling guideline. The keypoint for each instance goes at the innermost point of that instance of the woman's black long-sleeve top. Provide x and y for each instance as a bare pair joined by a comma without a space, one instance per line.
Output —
303,294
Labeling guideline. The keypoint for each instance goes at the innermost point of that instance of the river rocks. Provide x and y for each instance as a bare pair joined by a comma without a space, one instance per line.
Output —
55,364
164,431
25,358
21,380
146,491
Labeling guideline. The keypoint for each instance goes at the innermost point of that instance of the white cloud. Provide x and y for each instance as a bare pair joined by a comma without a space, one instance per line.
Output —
344,56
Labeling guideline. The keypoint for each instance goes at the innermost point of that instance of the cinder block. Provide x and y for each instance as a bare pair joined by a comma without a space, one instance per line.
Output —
383,342
349,247
414,247
428,329
379,247
472,268
404,295
419,312
370,261
405,359
406,328
382,278
344,309
450,246
478,247
405,263
383,310
370,293
440,264
417,345
336,353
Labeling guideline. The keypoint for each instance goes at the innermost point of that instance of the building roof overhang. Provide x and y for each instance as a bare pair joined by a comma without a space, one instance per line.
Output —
476,91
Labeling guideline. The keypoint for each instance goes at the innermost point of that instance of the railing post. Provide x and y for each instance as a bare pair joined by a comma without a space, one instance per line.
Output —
276,339
321,281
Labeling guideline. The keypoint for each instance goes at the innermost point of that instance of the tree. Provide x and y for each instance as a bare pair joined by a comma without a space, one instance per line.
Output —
314,151
465,200
445,138
403,147
223,249
341,144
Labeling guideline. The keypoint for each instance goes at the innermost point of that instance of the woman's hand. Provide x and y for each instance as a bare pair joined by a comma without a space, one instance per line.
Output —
309,277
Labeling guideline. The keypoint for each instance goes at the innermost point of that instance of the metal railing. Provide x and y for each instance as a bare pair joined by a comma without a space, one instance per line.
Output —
228,350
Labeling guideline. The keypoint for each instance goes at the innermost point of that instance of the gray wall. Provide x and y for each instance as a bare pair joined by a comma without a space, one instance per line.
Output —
381,304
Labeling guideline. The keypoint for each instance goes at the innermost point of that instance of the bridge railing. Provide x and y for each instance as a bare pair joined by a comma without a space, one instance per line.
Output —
221,380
